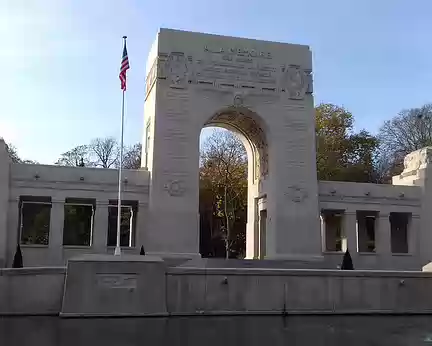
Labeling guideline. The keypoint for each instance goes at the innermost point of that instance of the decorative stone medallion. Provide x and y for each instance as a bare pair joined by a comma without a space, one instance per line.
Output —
175,188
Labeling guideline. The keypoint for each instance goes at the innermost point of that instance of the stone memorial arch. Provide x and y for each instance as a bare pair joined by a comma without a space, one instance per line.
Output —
263,92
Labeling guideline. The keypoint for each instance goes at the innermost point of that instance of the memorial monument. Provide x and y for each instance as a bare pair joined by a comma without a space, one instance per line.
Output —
263,92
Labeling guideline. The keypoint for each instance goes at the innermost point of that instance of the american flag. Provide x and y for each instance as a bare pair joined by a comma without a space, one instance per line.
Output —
123,68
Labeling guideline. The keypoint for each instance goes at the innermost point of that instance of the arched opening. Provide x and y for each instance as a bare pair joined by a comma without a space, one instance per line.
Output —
233,167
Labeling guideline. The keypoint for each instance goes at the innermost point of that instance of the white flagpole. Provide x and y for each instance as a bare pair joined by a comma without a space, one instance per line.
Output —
117,251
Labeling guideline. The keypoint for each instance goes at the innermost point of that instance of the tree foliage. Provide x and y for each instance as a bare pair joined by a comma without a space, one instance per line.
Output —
408,131
132,157
102,152
342,154
13,155
223,185
74,156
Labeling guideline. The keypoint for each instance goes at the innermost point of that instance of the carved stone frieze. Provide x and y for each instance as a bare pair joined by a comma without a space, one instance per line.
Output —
221,69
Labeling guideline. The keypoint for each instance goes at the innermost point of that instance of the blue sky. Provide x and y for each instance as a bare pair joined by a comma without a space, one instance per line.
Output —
60,59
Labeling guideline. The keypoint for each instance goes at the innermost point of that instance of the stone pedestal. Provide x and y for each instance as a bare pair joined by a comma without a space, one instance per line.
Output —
107,285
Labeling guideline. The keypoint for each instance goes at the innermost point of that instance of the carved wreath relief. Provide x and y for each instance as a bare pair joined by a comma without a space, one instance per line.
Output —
175,188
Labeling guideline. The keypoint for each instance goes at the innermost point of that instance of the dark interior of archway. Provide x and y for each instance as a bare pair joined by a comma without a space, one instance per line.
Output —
223,194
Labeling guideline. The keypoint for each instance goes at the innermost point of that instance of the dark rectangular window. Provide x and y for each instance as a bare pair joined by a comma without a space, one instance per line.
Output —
332,222
78,221
366,222
127,225
399,232
35,217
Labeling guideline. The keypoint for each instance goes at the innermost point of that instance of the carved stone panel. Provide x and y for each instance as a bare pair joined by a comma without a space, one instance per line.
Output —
418,159
177,69
294,82
231,69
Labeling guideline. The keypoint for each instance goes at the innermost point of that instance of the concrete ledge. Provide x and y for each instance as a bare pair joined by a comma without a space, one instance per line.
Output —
109,286
32,271
295,272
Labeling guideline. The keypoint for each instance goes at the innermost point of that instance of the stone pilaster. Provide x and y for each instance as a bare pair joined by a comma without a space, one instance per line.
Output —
100,228
13,229
413,232
383,235
140,229
55,243
350,232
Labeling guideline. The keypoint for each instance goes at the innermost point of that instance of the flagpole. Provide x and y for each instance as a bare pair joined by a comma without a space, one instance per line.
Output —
117,251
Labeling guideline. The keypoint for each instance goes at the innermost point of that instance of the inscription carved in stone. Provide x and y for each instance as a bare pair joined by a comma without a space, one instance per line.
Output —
127,281
296,194
236,68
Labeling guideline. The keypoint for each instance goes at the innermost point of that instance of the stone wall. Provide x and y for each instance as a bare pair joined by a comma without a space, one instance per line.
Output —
60,183
198,291
352,198
31,291
275,291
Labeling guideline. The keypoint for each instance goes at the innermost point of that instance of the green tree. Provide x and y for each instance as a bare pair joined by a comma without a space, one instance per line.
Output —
223,183
342,154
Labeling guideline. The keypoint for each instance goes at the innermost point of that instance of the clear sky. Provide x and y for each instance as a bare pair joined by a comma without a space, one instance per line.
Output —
60,59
